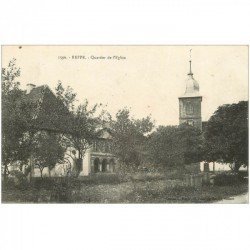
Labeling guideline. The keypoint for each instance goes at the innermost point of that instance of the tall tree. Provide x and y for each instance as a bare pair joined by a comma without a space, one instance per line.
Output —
226,135
85,131
175,146
84,125
15,118
129,136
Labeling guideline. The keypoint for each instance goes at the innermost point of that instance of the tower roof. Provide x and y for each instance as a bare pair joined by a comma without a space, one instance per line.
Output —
192,86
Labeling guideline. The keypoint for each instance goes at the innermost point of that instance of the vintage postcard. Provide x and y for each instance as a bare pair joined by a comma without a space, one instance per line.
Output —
124,124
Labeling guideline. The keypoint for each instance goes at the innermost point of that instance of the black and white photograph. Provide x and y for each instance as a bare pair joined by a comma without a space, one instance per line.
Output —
124,124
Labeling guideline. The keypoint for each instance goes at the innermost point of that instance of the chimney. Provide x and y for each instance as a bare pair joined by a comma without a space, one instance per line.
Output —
30,86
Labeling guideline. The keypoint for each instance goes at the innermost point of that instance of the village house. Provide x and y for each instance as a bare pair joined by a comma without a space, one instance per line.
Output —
50,115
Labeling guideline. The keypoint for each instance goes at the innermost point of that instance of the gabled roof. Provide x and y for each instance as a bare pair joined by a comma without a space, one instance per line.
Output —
105,133
36,93
49,113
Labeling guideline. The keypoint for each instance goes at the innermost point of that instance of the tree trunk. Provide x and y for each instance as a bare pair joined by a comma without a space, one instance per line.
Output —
213,166
41,171
31,168
5,172
237,166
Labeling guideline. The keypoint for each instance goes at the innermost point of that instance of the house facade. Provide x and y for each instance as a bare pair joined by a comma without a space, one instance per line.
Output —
99,157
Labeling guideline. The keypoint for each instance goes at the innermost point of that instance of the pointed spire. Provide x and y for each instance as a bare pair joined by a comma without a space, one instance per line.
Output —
190,63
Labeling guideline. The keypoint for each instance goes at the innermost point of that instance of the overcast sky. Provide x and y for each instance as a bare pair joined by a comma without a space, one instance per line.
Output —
148,81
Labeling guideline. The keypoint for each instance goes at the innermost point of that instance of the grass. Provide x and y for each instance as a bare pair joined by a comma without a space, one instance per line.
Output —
206,194
110,188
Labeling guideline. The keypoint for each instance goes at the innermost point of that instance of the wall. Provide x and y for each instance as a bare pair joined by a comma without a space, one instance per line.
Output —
194,116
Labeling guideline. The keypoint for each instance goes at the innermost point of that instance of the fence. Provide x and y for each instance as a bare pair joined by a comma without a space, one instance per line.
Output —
197,180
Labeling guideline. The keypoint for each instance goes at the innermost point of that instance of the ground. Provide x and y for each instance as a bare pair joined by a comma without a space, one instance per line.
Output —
238,199
110,189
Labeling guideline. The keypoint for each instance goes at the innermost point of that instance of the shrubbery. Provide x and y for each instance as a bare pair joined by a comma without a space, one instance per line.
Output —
16,180
228,178
139,187
101,178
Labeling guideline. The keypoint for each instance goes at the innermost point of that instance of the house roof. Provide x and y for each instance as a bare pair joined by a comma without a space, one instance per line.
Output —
48,112
105,133
36,93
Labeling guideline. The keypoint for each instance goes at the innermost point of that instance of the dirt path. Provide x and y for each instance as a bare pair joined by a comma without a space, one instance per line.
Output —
239,199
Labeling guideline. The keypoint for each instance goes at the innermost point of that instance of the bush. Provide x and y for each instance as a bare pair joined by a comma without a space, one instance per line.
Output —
46,183
101,178
147,176
16,179
61,189
68,189
228,178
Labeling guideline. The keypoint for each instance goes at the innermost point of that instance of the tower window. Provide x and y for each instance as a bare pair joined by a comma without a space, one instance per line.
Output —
191,123
189,108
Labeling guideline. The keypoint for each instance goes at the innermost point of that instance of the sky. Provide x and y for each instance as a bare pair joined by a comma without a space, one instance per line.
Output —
147,79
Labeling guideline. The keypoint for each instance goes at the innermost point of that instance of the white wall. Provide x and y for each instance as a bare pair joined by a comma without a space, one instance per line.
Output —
86,164
218,166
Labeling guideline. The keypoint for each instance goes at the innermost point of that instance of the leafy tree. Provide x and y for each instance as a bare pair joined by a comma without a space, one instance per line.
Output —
84,131
226,135
175,146
129,136
84,125
47,151
9,77
67,96
20,140
15,118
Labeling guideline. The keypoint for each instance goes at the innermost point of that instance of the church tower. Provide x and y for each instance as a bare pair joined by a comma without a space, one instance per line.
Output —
190,102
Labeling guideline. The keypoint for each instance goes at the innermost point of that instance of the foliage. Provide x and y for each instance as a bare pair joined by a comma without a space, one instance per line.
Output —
174,146
19,179
228,178
226,135
84,124
67,96
47,151
20,139
129,137
15,118
70,190
9,77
